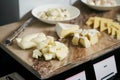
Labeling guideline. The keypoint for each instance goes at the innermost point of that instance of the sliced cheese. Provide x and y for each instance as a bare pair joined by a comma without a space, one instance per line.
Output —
118,35
109,29
96,22
113,31
115,25
90,21
64,29
104,25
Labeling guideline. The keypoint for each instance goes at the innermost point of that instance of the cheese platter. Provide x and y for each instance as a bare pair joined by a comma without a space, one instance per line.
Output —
44,67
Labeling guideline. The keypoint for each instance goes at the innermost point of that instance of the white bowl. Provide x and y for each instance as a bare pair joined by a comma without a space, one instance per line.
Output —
74,12
101,8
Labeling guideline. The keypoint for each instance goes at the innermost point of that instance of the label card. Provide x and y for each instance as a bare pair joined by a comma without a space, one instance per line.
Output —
79,76
105,68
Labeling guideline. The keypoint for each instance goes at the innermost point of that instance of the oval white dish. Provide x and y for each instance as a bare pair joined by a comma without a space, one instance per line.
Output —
100,7
74,12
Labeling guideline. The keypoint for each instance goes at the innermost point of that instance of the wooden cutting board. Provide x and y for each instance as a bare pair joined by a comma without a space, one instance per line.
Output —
77,54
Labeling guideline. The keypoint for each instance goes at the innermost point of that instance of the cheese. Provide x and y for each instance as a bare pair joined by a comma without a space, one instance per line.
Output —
86,37
61,50
61,54
90,21
85,42
25,44
118,35
84,32
103,26
96,22
105,23
48,56
113,31
64,29
115,25
109,29
42,44
93,36
36,54
75,39
40,37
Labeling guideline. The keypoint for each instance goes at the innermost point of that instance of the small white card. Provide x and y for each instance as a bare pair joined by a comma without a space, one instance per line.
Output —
105,68
79,76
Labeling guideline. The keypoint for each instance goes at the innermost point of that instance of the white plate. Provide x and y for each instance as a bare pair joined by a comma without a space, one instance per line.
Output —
101,8
74,12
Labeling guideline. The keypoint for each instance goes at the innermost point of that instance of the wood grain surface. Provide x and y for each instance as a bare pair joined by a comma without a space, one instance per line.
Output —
77,54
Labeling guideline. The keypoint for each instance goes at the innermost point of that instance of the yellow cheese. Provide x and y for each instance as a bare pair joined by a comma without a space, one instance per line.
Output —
64,29
116,25
109,29
97,22
84,32
114,31
104,24
118,35
90,21
85,42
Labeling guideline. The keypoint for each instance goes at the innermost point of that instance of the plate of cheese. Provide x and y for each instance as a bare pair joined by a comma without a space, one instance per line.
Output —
102,5
53,13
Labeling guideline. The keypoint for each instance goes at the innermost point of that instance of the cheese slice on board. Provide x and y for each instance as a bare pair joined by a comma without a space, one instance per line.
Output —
118,35
90,21
97,22
104,24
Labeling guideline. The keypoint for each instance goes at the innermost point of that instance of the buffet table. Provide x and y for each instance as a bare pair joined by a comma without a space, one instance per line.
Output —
77,55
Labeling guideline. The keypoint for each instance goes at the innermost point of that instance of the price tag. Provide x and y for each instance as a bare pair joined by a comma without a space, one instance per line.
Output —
105,68
79,76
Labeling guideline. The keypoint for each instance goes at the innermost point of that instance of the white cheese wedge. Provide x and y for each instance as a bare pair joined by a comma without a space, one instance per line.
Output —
85,42
64,29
